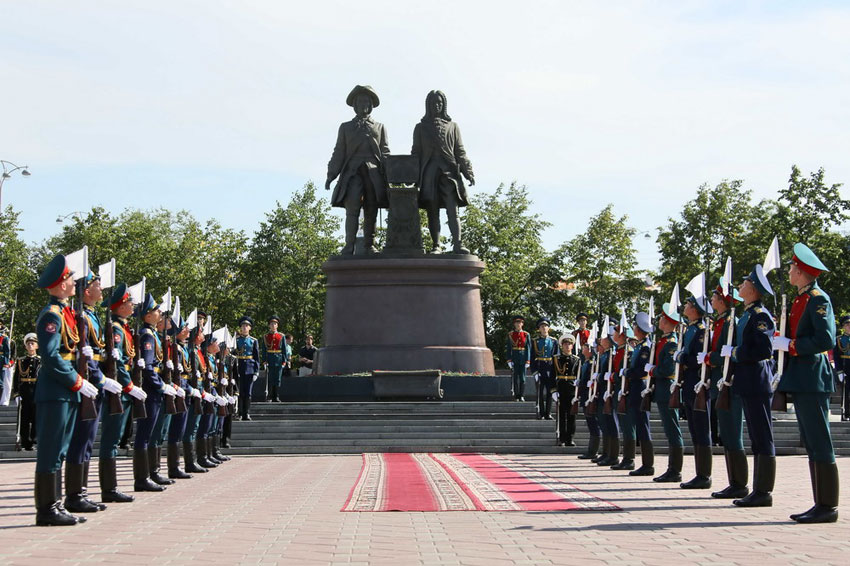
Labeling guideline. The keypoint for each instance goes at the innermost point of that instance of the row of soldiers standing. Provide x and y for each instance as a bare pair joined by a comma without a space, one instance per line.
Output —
174,380
697,366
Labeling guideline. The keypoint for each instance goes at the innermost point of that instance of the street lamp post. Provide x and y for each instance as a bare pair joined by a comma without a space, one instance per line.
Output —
76,214
8,169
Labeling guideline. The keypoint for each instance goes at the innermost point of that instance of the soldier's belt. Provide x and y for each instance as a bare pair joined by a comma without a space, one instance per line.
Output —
568,377
28,380
549,359
244,357
519,349
271,352
70,356
98,357
843,357
128,367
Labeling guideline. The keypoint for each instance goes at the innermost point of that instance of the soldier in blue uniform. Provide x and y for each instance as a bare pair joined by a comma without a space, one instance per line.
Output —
662,371
518,356
699,422
809,378
150,358
585,381
272,353
198,420
730,422
248,362
609,424
638,421
180,379
623,420
85,431
121,305
544,348
23,387
58,393
753,358
841,355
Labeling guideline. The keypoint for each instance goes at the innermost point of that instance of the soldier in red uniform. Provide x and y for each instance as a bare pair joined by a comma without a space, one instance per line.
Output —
582,333
518,356
272,354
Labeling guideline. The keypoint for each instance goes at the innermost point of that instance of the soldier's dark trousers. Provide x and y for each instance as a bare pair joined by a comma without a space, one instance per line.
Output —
55,426
82,441
144,427
27,412
193,422
518,379
760,424
813,421
246,386
178,426
566,420
113,428
699,422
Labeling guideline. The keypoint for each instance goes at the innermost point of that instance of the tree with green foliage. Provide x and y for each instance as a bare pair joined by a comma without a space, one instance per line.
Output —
285,263
15,269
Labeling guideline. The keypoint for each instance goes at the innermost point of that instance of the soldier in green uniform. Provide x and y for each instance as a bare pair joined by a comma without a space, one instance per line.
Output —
58,393
808,377
663,372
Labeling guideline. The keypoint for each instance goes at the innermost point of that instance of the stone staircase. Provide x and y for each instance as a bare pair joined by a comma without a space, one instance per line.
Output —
460,426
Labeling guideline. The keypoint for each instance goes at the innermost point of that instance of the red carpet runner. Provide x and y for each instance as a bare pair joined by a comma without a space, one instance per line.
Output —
461,482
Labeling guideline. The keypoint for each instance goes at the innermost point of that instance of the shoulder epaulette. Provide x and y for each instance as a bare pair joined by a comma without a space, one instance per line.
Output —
55,309
814,292
146,331
757,310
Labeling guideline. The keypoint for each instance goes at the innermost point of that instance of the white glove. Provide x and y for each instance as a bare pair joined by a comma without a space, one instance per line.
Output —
841,376
255,378
536,377
221,401
180,393
648,368
224,381
116,353
673,387
140,362
698,386
594,377
196,393
138,393
588,402
645,392
168,391
198,373
701,358
87,351
623,372
180,367
781,343
169,364
555,396
511,364
726,351
206,396
88,389
209,375
722,383
607,376
606,396
111,386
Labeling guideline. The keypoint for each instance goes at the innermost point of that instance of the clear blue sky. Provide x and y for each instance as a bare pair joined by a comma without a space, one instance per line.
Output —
224,107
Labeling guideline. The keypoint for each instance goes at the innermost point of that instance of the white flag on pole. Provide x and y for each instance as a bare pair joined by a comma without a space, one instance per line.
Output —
192,320
771,260
675,303
651,308
106,272
696,286
727,277
606,327
208,326
220,335
175,316
137,291
78,262
165,303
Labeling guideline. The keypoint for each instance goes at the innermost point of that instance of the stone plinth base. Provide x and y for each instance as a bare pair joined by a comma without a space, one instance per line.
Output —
404,314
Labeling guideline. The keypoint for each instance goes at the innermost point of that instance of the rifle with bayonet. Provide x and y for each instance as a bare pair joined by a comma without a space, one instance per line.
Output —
193,375
701,400
116,407
165,373
724,397
179,402
780,399
624,381
88,408
219,388
608,408
207,384
675,394
139,410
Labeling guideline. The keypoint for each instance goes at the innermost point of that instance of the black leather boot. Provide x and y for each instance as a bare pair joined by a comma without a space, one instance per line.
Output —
217,442
628,461
201,450
613,452
647,460
675,459
812,473
172,453
592,449
141,469
154,465
189,457
75,499
604,453
47,508
100,506
826,499
109,492
702,480
764,475
210,446
737,474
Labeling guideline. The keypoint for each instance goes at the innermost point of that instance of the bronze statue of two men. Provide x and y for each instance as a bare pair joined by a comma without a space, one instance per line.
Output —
361,148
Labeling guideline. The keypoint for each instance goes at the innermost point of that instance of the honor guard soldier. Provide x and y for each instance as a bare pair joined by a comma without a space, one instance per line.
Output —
636,425
5,360
585,381
808,378
582,333
609,423
121,306
179,378
194,452
842,365
519,356
753,358
247,364
85,431
730,421
211,384
663,373
699,422
622,337
544,349
149,360
58,393
23,387
567,367
272,354
159,434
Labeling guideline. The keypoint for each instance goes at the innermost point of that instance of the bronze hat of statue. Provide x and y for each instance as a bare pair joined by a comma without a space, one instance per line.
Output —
363,89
